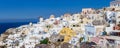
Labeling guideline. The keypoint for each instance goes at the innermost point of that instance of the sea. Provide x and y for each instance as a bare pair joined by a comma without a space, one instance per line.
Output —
6,25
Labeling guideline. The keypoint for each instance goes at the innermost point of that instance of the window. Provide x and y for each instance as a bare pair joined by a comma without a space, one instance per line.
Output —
73,19
118,4
115,33
42,38
113,9
81,21
73,25
119,22
61,19
114,4
118,16
62,39
58,40
77,25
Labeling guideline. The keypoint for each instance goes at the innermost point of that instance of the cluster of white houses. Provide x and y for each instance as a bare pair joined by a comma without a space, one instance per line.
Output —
90,23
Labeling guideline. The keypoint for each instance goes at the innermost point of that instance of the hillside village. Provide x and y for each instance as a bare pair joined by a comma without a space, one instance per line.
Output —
91,28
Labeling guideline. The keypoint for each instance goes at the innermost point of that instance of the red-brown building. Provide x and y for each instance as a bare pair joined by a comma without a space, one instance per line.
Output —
116,27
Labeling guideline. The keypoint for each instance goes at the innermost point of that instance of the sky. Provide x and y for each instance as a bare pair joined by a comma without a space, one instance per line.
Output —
26,9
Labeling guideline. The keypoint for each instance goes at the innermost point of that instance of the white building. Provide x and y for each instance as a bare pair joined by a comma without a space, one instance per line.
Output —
115,3
118,17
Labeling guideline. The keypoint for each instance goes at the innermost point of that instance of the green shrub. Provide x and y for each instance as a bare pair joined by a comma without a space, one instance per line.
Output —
45,41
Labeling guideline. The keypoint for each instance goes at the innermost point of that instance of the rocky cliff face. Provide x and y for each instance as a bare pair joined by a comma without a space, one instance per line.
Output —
6,33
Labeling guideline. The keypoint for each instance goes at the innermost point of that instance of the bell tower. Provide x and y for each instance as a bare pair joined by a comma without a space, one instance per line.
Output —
40,19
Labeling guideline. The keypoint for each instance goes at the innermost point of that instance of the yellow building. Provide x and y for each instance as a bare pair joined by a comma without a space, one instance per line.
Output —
67,33
85,20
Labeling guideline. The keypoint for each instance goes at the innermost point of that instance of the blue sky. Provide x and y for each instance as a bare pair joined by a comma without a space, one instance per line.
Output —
21,9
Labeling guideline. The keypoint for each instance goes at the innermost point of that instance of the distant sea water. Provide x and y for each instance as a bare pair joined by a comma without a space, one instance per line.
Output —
6,25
